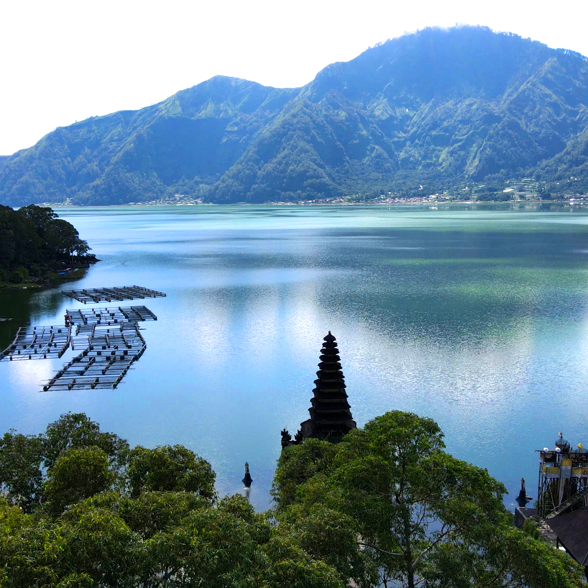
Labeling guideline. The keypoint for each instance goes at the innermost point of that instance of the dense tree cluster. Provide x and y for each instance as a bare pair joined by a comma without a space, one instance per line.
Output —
79,507
419,517
34,242
387,506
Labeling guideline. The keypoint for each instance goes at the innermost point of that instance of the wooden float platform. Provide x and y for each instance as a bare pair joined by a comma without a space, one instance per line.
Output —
112,315
108,340
102,337
92,295
38,343
110,353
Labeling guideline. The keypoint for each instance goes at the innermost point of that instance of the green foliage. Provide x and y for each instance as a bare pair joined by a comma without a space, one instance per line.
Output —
34,243
26,461
420,516
328,535
76,475
531,528
21,477
386,506
169,469
150,512
76,430
291,567
19,275
297,465
97,545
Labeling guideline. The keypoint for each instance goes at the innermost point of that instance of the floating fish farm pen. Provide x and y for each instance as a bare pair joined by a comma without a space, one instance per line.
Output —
108,339
108,353
563,478
92,295
38,343
113,315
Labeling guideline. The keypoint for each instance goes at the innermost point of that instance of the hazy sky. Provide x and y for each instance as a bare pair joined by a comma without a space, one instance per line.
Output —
63,61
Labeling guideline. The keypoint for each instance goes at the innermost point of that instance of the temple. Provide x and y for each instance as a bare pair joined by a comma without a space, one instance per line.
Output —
330,413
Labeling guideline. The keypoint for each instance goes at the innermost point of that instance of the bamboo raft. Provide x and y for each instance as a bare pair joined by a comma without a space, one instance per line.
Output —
109,340
109,355
38,343
109,294
114,315
102,337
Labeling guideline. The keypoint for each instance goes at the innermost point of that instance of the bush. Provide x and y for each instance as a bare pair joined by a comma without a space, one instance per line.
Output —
19,275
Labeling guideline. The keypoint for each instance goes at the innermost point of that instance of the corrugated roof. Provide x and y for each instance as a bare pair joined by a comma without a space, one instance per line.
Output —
572,531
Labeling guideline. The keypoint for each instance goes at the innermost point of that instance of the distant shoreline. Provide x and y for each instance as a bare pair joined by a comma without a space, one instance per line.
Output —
424,202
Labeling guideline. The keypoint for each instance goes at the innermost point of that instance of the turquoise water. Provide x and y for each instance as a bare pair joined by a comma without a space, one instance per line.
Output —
476,318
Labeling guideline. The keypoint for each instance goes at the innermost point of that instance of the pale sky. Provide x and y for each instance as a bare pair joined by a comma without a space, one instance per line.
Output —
63,61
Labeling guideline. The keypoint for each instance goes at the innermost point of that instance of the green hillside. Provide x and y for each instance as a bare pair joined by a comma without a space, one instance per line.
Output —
450,105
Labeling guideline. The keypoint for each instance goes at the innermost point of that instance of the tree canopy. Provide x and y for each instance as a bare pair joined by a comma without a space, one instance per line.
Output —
420,516
34,243
386,506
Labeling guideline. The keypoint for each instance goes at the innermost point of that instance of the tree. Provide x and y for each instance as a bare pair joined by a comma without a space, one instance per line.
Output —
386,506
421,516
150,512
87,547
26,460
34,241
299,463
63,237
21,477
98,545
231,545
76,475
329,536
29,549
77,430
39,216
92,544
168,469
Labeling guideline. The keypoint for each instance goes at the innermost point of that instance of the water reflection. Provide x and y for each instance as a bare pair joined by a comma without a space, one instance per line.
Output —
477,318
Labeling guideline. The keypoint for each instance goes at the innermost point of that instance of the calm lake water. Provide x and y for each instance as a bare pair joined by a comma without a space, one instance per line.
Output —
475,318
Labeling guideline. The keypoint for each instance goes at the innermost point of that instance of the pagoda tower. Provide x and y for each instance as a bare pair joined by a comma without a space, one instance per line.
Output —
330,413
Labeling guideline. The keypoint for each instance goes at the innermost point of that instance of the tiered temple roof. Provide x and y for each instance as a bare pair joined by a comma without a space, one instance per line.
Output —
330,413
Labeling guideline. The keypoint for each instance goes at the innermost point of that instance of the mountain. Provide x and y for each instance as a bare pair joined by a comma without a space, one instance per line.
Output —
457,104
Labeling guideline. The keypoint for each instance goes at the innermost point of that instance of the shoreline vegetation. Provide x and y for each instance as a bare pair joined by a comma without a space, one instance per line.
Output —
37,249
578,201
386,506
511,192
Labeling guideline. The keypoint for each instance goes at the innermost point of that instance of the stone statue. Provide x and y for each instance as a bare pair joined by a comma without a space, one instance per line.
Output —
522,498
286,438
247,479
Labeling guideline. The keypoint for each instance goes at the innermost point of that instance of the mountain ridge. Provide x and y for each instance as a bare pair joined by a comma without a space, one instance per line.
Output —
460,104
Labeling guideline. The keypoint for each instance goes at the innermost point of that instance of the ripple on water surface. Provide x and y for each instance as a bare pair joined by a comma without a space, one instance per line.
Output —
476,318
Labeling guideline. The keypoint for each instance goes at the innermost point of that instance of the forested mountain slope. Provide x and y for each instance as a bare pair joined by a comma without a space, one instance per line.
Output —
463,103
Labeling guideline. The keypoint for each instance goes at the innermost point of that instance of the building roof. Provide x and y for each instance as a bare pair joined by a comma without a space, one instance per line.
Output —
572,531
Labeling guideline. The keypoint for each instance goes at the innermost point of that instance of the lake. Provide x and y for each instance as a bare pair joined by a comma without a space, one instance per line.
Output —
477,318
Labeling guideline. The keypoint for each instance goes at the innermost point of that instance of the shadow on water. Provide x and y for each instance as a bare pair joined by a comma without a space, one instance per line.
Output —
14,305
22,306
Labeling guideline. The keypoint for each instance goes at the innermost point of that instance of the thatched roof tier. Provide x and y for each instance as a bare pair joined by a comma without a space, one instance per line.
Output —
330,414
